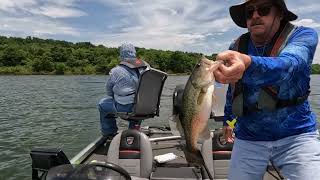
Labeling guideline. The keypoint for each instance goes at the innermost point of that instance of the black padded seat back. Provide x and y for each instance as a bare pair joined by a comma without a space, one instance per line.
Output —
131,150
177,99
148,94
149,91
129,147
220,150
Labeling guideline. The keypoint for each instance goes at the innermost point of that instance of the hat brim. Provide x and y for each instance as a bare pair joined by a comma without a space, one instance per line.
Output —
290,16
237,13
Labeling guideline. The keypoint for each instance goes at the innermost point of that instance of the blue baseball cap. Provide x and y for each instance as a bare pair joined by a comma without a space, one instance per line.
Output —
127,52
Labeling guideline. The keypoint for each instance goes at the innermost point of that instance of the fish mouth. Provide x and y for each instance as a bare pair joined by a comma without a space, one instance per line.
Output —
206,61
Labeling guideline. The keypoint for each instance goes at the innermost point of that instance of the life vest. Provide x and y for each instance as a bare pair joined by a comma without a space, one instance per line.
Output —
135,64
268,96
138,65
135,69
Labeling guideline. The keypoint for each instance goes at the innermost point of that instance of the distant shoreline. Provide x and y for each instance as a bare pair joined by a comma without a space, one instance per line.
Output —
36,56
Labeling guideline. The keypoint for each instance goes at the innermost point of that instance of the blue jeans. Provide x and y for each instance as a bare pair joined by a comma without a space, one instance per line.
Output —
108,123
297,157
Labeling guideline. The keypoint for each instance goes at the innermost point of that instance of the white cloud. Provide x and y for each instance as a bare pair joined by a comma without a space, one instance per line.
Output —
58,11
307,22
174,25
54,9
14,5
159,41
37,18
61,2
198,26
6,4
222,25
305,9
34,27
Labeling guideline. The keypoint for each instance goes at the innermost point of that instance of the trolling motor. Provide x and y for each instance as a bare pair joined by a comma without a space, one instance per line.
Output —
45,159
217,112
53,164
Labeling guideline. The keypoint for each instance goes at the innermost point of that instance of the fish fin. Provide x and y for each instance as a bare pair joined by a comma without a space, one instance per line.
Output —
204,89
201,97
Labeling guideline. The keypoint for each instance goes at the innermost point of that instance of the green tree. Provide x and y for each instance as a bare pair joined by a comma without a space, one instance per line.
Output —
315,69
43,64
12,56
60,68
58,54
102,65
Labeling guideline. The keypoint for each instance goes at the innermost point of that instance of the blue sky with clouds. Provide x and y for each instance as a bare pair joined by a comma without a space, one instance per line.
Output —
188,25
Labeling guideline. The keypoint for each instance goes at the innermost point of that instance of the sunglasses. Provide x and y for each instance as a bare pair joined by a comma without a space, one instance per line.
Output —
262,10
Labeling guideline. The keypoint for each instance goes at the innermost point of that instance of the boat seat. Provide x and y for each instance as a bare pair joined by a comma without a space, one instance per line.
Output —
147,96
131,150
217,155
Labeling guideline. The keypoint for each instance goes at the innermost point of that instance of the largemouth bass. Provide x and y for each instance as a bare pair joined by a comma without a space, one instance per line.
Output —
198,97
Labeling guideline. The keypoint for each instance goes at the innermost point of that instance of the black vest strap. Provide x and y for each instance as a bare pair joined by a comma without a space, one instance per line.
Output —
241,46
293,102
277,44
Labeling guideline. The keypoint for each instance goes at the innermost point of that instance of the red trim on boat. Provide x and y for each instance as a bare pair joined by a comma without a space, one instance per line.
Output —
129,151
221,152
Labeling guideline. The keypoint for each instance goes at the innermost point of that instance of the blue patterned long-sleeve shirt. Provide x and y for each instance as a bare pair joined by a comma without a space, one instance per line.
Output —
291,72
122,84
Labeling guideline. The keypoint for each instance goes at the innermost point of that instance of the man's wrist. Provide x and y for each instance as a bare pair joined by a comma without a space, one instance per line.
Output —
246,60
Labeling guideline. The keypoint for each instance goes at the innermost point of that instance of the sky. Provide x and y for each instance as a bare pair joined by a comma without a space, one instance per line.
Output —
202,26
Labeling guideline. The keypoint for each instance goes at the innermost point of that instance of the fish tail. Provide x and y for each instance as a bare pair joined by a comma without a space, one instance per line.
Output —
196,159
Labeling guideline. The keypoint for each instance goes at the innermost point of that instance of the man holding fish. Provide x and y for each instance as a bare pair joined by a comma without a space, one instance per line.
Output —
268,72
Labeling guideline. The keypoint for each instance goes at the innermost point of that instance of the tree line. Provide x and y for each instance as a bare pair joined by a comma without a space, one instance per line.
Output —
31,55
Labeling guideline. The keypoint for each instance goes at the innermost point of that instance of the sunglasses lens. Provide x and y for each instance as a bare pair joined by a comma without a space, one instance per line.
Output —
263,10
249,12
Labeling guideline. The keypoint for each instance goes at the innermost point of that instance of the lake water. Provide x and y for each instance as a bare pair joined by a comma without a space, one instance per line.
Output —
60,112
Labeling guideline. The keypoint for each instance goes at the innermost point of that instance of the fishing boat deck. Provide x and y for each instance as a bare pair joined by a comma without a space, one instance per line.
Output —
158,148
175,169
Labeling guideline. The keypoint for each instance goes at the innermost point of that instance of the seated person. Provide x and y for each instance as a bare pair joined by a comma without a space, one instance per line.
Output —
121,87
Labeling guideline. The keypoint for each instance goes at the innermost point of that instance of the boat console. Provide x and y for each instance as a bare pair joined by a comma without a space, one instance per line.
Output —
92,171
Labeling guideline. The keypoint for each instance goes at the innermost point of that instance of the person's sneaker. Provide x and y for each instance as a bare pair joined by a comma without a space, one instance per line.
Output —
109,137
